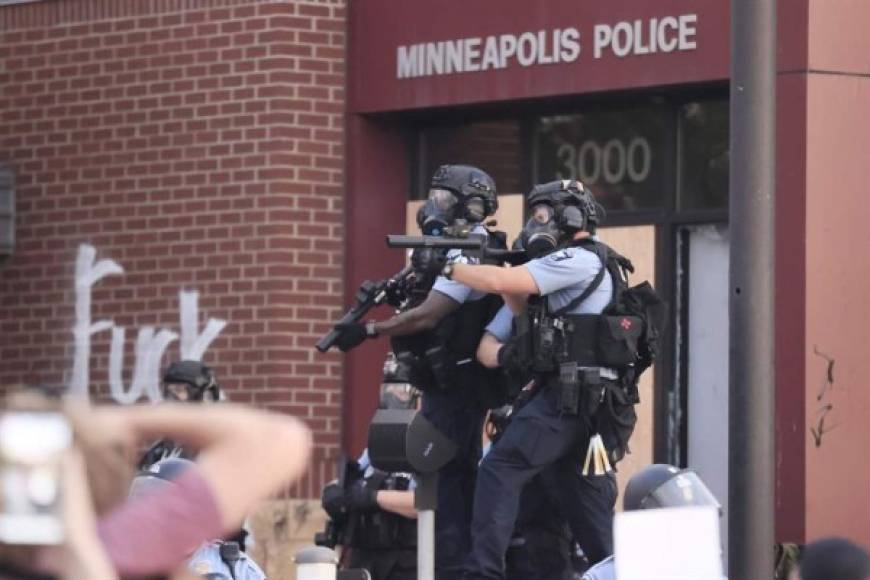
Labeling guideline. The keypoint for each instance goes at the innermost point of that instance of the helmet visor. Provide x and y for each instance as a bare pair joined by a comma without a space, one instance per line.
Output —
684,490
443,199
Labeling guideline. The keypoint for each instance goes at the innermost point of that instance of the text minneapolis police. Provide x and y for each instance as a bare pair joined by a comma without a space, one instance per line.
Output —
560,45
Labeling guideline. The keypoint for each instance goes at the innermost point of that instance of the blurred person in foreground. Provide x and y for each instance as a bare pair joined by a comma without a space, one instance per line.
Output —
833,559
216,559
151,535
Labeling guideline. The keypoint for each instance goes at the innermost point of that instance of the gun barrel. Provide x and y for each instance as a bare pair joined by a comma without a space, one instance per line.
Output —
473,242
325,343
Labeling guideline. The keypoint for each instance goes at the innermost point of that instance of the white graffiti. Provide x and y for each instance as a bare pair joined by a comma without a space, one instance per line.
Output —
151,344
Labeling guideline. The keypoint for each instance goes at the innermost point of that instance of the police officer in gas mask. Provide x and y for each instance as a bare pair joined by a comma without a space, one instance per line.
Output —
185,381
437,340
559,296
373,515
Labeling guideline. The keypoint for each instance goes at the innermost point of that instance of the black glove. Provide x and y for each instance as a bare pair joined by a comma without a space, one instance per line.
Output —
333,501
362,498
507,356
429,260
351,335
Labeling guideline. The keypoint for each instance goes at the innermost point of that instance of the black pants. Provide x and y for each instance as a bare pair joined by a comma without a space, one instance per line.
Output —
459,416
386,564
541,545
540,440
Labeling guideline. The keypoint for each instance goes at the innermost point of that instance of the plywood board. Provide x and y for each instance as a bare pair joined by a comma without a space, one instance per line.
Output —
637,243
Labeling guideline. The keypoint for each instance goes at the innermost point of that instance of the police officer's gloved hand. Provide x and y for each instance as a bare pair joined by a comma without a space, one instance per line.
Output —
351,335
362,498
333,501
429,260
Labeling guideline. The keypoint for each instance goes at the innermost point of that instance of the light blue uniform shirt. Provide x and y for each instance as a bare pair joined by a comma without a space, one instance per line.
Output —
365,464
207,562
456,290
501,324
563,275
606,570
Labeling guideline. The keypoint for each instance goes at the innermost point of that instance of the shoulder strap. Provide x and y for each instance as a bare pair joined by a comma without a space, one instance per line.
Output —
599,250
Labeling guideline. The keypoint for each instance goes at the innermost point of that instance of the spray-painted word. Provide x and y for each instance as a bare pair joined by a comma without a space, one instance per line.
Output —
150,345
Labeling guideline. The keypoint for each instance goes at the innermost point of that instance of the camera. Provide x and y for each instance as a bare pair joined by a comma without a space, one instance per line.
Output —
32,446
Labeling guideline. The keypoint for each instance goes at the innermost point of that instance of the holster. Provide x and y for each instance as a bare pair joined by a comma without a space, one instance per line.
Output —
580,389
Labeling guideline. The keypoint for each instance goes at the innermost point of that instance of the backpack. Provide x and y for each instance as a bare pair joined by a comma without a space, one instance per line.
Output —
639,302
629,339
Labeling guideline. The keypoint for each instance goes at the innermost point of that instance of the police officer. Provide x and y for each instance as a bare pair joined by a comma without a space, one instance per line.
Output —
185,381
376,509
657,486
541,546
555,340
437,339
218,559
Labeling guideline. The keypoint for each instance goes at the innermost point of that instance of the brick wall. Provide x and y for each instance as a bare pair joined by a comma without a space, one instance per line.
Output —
197,143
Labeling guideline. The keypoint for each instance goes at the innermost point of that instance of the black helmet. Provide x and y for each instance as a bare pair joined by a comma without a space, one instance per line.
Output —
558,210
197,377
564,193
159,474
662,486
457,192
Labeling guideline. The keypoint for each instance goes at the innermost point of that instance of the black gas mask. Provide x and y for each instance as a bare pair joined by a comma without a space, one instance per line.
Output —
444,209
559,209
438,213
541,234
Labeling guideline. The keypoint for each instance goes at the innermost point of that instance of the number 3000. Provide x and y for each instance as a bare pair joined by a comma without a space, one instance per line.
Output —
614,162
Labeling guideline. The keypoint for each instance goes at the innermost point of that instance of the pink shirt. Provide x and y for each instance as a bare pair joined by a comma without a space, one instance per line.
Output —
156,532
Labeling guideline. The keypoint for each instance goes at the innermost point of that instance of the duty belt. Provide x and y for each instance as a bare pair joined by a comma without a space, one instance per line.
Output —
604,372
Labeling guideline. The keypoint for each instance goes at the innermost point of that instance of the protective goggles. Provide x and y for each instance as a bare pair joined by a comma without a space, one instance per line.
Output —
542,213
443,199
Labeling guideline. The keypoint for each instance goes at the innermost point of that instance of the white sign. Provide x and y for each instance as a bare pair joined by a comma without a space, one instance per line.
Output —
559,45
668,544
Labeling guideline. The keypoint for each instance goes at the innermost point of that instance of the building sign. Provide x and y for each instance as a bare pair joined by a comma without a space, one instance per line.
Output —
559,45
414,55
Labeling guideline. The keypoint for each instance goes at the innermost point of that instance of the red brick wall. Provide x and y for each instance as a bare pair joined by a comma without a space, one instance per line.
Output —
199,144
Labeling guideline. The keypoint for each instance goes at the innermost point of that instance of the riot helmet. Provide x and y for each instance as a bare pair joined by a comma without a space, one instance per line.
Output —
158,475
457,192
665,486
397,392
190,381
558,210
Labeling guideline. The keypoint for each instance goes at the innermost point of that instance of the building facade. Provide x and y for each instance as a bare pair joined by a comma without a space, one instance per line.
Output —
216,177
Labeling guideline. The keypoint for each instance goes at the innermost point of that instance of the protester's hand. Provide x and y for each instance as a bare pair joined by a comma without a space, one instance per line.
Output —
351,335
362,498
429,260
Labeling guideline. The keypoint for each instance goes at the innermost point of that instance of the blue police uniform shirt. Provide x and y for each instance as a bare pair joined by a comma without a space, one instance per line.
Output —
365,464
456,290
501,324
206,561
564,274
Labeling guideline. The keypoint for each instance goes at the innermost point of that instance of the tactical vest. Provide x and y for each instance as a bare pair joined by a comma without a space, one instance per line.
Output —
446,357
613,339
571,349
383,530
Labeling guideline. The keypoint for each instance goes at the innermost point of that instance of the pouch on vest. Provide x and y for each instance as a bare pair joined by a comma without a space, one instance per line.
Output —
617,344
